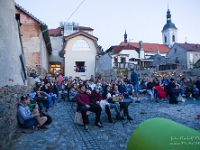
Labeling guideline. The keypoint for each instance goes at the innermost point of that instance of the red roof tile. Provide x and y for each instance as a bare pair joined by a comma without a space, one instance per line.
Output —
149,47
55,32
118,48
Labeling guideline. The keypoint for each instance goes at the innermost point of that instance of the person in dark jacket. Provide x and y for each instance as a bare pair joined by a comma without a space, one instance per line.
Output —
84,104
42,99
198,84
135,83
97,99
151,90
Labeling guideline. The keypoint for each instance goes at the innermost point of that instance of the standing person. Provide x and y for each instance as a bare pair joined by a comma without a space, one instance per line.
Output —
135,83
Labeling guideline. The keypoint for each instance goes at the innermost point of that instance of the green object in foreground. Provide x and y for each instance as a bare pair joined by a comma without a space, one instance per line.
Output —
164,134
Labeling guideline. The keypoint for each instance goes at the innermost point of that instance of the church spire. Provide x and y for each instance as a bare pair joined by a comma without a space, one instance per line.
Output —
125,37
168,16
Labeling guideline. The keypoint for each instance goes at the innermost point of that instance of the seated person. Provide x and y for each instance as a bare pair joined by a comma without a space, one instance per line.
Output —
28,119
98,85
97,98
123,89
172,88
64,91
112,104
84,104
42,99
150,89
190,86
198,84
124,106
156,82
72,91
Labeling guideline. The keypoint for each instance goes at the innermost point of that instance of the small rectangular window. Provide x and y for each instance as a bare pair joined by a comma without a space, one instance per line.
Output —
80,66
123,59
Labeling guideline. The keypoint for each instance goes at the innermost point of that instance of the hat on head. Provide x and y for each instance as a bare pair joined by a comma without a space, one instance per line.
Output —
172,79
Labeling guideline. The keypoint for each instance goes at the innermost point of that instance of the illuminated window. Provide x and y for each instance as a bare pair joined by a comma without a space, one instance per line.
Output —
81,45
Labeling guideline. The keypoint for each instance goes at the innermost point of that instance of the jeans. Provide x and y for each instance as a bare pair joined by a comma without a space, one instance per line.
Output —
153,93
44,103
116,106
136,89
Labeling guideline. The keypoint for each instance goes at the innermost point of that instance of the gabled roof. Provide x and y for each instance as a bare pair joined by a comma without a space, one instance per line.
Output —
95,39
118,48
43,27
149,47
81,33
189,47
57,31
29,14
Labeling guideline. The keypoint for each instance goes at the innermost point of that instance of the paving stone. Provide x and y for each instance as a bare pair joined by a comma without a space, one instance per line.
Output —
63,134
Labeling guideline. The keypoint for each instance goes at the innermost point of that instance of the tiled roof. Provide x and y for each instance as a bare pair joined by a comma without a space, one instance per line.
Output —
149,47
57,32
190,47
118,48
29,14
82,28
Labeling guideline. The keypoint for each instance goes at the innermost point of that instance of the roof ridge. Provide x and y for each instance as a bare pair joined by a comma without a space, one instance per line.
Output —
28,13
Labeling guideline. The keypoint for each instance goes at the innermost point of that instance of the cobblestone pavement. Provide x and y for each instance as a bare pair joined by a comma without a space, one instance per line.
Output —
63,134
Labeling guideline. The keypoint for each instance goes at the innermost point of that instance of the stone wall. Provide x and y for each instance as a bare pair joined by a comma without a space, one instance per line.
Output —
9,98
108,74
41,71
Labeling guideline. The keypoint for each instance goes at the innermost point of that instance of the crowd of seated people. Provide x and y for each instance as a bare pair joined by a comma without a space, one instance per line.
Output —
97,94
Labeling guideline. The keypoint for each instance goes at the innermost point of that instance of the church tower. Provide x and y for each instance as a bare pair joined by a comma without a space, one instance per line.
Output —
125,37
169,32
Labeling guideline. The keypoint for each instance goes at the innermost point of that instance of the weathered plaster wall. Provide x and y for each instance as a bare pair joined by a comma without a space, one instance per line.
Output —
10,48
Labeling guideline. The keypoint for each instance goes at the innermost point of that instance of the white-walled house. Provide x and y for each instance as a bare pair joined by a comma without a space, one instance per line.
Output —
186,54
74,47
80,50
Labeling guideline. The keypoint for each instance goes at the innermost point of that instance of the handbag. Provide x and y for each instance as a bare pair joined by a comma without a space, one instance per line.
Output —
180,99
78,118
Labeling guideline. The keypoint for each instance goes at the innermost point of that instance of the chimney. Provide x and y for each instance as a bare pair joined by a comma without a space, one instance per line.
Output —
60,24
185,40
